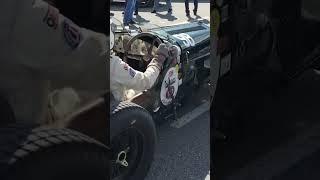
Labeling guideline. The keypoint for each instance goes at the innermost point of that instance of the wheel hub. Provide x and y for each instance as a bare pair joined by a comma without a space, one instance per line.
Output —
122,158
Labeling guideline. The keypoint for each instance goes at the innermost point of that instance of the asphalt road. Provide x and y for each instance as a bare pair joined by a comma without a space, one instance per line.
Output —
162,18
183,152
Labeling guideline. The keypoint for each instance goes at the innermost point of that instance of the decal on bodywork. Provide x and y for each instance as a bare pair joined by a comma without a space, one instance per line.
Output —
169,87
187,40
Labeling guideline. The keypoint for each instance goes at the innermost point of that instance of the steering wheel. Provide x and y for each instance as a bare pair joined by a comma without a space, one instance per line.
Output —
156,41
166,86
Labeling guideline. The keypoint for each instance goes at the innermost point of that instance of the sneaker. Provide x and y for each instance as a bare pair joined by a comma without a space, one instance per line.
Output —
135,12
153,11
170,10
122,12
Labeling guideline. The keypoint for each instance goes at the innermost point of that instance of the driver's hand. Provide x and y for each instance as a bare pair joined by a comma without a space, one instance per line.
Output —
174,51
162,53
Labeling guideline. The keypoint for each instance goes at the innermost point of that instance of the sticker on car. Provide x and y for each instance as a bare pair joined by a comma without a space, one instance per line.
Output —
187,40
169,87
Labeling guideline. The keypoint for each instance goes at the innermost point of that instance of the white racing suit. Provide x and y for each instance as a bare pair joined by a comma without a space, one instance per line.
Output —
123,78
39,46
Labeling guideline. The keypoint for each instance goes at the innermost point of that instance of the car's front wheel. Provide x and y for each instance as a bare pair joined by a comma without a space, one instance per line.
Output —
133,139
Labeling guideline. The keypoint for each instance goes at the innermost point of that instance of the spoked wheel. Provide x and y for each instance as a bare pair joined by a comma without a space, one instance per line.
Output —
127,151
132,141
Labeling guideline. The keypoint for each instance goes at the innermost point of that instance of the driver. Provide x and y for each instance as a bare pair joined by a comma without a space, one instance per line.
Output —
124,77
40,46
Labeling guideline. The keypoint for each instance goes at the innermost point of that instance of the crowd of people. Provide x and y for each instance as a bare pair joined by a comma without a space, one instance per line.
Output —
132,8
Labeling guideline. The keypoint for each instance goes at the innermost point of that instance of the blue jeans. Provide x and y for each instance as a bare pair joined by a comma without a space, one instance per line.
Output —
156,4
128,12
136,6
186,3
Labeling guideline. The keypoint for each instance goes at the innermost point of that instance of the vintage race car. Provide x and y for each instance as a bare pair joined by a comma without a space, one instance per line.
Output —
137,48
137,115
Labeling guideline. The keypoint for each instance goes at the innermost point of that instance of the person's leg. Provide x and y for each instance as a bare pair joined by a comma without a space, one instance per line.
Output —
125,4
155,6
186,4
169,6
136,9
195,9
133,7
127,18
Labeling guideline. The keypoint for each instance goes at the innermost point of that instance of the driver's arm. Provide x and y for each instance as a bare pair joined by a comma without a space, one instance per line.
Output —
122,73
47,42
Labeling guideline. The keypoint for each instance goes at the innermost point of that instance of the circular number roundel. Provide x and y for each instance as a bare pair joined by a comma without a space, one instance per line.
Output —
169,87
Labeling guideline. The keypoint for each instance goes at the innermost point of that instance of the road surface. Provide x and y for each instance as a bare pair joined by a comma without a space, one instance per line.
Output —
183,148
182,154
162,18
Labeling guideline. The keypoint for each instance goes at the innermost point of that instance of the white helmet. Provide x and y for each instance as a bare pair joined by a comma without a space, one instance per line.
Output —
112,29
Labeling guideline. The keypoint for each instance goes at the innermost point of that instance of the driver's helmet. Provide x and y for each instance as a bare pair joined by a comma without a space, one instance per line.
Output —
112,31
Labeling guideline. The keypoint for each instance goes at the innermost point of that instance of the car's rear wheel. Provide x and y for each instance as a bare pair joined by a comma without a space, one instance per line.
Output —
133,139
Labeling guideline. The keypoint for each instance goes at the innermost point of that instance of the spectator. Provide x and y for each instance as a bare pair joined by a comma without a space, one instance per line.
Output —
156,6
195,9
136,7
128,13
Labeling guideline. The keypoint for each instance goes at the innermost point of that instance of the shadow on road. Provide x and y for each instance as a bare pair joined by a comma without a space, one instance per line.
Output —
141,20
167,16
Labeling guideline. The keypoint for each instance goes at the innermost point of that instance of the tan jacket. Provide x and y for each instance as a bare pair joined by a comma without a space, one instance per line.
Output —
123,78
39,47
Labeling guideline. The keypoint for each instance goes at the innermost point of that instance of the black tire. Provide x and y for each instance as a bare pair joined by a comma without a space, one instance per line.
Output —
135,122
46,153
